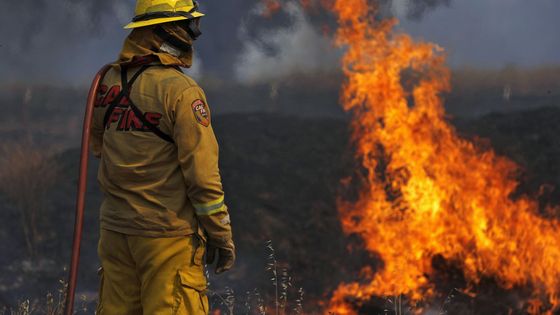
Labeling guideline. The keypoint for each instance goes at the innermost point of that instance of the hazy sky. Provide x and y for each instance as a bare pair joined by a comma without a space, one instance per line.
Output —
491,33
66,41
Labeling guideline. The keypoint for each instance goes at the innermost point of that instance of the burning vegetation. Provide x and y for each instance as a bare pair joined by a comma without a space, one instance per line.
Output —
427,193
428,199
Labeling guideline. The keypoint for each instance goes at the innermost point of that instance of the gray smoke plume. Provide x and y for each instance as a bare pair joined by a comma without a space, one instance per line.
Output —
417,9
44,38
297,48
68,40
61,41
23,23
293,42
410,9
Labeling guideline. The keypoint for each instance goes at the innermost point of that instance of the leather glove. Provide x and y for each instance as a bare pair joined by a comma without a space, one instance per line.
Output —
226,255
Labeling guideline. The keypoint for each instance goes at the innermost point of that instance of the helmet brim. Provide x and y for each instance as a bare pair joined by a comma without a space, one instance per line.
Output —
161,21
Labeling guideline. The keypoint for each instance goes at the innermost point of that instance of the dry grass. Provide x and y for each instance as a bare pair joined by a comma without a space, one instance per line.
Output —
283,300
535,81
52,305
27,174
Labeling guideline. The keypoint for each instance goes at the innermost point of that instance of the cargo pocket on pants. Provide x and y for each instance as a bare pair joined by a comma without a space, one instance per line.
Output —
99,308
190,293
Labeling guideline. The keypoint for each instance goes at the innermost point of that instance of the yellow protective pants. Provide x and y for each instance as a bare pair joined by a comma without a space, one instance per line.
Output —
151,276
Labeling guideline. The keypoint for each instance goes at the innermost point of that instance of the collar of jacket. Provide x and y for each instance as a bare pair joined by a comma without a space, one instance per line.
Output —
143,45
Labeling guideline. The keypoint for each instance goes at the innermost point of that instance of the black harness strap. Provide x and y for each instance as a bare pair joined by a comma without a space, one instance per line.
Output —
124,92
127,87
138,113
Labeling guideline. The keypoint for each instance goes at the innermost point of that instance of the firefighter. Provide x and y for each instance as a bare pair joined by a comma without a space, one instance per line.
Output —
164,204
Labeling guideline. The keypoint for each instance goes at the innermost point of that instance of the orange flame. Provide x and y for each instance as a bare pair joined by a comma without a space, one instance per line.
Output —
428,192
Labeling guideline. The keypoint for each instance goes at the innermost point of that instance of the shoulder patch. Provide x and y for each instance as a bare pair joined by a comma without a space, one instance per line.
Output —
201,112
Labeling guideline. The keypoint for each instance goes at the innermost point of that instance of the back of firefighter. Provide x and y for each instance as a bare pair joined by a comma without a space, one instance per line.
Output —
164,204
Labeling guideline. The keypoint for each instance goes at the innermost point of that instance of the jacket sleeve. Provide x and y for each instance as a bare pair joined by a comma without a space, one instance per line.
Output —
198,157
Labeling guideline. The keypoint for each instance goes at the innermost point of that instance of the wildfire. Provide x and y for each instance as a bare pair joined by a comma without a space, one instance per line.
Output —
427,192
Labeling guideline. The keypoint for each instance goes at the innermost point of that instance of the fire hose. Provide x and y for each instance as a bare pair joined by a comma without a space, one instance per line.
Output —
82,186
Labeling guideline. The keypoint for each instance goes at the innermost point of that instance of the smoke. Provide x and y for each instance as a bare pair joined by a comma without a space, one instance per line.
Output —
26,21
417,9
67,41
61,41
300,47
412,9
278,54
41,38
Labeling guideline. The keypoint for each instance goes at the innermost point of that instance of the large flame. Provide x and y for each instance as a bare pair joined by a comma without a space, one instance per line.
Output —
428,192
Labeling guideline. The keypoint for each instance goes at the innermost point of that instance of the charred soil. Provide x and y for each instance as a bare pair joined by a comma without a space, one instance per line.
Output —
282,176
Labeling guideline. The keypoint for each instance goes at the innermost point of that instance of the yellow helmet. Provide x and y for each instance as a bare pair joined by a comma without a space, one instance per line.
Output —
152,12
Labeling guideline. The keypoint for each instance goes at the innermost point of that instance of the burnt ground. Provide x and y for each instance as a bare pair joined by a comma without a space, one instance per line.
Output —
281,175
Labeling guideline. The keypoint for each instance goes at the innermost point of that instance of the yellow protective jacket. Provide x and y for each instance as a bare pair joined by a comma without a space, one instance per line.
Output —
152,187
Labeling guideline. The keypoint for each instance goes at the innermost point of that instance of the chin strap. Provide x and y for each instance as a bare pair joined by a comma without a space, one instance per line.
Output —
193,29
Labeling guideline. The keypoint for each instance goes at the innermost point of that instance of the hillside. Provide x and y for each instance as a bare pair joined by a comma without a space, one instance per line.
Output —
282,178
